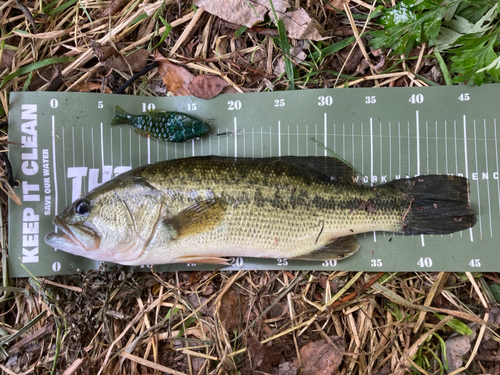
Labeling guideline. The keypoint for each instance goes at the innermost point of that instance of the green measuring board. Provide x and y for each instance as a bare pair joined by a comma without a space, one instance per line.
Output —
63,146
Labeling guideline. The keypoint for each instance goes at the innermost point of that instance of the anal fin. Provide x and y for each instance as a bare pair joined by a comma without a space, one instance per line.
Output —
340,248
204,259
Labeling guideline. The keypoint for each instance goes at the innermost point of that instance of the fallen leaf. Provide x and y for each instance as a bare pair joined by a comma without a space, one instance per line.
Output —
175,78
233,307
319,357
7,57
51,75
299,25
239,12
287,368
261,358
206,86
135,61
338,4
92,86
457,346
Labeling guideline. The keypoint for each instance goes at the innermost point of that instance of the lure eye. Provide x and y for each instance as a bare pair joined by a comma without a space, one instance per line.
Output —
82,206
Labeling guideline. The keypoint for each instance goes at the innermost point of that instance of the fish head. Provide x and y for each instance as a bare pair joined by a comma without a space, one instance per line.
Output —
110,224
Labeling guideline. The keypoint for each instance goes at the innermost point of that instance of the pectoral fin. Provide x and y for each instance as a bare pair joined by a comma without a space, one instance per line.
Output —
198,218
338,249
204,259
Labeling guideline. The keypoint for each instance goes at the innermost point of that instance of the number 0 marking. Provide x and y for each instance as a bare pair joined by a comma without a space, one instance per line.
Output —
54,103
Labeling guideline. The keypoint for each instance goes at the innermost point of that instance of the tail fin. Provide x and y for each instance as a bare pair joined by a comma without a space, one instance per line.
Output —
439,204
120,117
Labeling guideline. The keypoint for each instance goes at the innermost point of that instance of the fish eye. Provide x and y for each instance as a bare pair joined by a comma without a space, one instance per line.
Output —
82,206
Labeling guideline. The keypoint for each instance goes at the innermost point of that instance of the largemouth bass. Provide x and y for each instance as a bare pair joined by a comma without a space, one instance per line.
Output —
206,209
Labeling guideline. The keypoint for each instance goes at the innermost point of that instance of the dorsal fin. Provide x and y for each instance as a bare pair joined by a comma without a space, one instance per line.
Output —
336,169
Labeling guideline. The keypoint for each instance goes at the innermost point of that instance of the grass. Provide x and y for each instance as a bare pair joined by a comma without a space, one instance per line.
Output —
113,322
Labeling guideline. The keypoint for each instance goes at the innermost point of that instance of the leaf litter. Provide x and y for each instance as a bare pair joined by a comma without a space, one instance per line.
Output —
115,322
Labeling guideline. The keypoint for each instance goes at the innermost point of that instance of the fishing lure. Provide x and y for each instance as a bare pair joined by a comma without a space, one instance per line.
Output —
167,126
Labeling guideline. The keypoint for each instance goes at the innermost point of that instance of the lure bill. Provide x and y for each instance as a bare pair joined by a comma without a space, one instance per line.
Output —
163,125
206,209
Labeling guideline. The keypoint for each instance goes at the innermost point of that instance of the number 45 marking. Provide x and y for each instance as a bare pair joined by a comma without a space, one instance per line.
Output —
464,97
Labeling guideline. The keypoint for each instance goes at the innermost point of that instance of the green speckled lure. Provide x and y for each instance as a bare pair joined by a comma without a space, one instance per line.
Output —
167,126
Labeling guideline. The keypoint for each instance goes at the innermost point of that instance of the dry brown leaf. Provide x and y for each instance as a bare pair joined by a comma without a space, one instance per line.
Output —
233,307
319,357
261,358
239,12
457,347
176,78
206,86
299,25
7,57
92,86
136,61
338,4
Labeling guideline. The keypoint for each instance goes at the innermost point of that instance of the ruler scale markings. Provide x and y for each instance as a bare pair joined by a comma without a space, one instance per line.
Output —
456,156
261,143
352,141
466,163
64,163
381,149
390,151
362,151
487,174
408,173
477,182
270,141
288,140
317,139
418,142
427,147
437,153
236,138
54,164
121,147
73,144
418,158
83,146
399,139
279,138
343,141
496,154
307,137
446,146
253,142
298,136
326,134
371,151
111,148
148,143
92,143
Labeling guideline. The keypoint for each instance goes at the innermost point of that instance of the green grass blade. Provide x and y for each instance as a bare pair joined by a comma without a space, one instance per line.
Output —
240,31
285,47
35,66
168,29
457,325
444,69
333,48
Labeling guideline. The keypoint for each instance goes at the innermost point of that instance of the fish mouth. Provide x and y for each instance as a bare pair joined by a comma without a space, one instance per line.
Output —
69,240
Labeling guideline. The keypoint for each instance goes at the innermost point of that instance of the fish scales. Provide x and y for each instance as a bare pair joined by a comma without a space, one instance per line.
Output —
202,209
272,208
